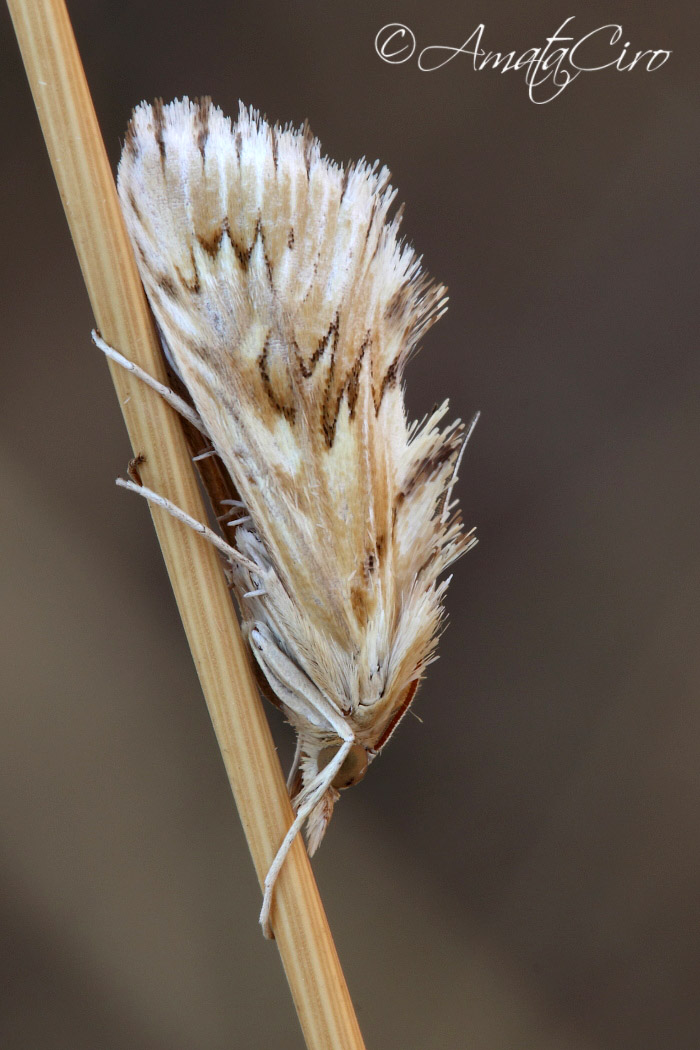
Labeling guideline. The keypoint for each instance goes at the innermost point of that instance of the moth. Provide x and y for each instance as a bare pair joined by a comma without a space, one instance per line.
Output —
288,307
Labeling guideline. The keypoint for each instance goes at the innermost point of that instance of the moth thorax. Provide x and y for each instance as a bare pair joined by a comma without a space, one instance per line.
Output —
353,768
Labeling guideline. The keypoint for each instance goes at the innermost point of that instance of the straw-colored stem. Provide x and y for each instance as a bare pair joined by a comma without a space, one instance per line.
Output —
87,189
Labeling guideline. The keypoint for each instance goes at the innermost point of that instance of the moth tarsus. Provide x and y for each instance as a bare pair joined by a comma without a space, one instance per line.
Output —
229,552
173,399
288,308
304,808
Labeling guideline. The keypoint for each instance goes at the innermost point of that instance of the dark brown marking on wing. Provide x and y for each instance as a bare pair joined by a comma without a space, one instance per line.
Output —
432,556
307,370
268,265
371,220
397,304
243,254
211,244
199,350
290,238
288,411
275,145
201,122
158,126
328,422
378,245
307,146
167,285
194,284
429,465
131,141
134,206
390,377
330,408
400,499
352,385
358,601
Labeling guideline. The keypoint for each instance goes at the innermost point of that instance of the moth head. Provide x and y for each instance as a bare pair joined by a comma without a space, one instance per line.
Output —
353,768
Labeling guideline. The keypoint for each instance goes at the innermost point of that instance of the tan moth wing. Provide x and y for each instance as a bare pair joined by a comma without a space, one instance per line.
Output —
290,308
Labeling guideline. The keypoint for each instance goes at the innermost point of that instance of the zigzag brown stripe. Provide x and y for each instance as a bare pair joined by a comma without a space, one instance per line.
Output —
390,377
308,370
288,411
212,245
430,464
351,385
194,285
330,405
329,419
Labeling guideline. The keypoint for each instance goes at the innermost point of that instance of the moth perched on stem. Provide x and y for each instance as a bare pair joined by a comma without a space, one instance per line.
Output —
288,308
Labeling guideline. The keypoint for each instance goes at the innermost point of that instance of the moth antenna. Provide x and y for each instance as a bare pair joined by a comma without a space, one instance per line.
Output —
325,779
187,519
173,399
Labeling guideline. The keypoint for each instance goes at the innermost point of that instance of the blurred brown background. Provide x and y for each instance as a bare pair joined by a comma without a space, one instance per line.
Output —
522,870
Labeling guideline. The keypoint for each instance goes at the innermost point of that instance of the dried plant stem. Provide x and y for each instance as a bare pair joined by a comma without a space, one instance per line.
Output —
87,189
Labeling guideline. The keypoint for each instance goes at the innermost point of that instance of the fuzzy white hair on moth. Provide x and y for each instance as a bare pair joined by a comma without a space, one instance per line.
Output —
288,308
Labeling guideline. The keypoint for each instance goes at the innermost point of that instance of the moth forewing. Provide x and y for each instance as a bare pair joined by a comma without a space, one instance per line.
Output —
289,308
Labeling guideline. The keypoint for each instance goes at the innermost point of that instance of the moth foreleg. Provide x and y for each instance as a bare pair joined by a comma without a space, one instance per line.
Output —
315,794
293,686
160,501
173,399
291,777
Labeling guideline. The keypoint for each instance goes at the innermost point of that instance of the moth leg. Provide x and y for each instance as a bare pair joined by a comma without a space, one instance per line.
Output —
295,764
293,686
160,501
315,794
173,399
